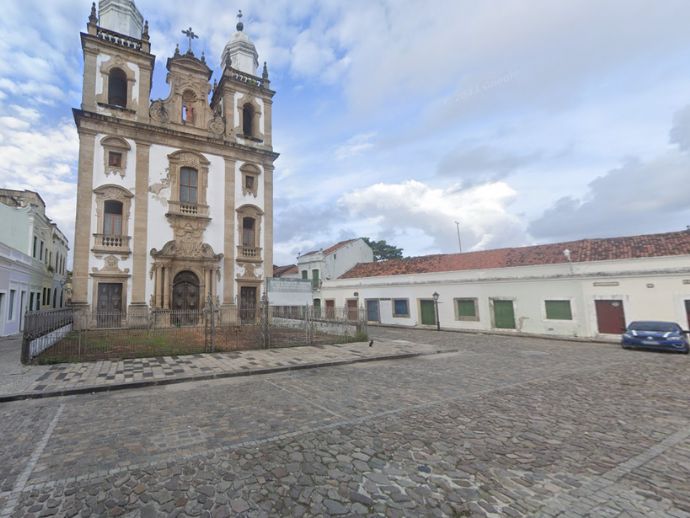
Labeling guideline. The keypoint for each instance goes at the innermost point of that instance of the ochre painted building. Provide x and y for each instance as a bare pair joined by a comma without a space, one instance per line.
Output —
175,195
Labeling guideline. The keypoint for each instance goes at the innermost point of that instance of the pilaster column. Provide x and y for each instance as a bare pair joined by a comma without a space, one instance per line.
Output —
206,286
88,93
268,123
159,286
166,287
268,221
229,234
140,238
82,234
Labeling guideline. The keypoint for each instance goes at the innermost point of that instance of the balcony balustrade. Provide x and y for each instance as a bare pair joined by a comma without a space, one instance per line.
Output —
111,244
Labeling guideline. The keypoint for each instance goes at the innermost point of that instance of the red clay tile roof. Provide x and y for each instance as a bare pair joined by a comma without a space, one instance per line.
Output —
331,249
584,250
284,270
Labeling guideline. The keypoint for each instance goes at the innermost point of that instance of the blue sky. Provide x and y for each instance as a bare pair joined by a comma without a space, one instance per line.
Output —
527,121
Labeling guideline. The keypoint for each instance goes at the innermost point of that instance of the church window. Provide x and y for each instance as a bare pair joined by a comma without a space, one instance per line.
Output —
117,88
188,185
248,238
114,159
249,182
112,218
247,120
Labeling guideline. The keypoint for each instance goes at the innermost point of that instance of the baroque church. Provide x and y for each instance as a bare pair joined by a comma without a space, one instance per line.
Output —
175,195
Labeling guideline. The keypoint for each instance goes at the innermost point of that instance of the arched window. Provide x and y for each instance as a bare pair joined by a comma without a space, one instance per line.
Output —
188,185
117,88
112,220
247,120
248,235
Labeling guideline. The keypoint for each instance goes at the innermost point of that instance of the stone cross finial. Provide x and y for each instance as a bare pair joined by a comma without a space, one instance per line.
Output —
240,25
190,36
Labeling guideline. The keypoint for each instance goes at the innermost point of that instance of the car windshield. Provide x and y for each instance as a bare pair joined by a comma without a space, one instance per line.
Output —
662,327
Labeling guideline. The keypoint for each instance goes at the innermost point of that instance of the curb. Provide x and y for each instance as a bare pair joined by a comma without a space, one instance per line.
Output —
92,389
487,332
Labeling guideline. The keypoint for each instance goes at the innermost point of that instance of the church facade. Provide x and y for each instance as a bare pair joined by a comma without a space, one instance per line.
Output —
175,195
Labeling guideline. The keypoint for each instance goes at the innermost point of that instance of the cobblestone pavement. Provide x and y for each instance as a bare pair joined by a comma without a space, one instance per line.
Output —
15,377
66,376
503,427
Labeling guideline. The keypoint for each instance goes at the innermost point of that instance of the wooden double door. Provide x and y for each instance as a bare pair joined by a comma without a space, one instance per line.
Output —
248,304
185,299
109,304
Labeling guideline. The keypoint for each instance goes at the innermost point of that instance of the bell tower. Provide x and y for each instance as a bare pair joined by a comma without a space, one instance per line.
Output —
117,61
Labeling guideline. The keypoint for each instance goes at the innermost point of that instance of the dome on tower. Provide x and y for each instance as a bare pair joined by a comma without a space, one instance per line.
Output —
120,16
240,52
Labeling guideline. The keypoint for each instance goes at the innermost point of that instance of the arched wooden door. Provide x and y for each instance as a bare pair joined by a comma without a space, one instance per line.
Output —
185,300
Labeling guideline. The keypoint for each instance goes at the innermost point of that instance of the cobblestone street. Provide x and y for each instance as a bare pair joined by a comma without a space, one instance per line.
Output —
505,426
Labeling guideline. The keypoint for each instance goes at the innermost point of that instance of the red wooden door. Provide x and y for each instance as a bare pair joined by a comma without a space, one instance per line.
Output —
610,316
330,308
352,311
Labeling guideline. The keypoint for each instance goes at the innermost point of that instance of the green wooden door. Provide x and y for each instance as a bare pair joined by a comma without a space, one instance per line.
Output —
428,313
504,314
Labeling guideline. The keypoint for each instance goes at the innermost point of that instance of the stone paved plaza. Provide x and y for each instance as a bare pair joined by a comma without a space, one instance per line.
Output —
503,427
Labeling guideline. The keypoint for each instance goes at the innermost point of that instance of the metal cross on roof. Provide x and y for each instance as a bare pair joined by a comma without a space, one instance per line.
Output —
190,35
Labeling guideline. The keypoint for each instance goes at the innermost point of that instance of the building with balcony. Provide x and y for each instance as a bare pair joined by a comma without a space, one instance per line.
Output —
33,259
175,195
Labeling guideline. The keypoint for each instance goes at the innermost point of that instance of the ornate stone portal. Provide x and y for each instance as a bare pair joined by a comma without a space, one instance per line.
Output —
186,253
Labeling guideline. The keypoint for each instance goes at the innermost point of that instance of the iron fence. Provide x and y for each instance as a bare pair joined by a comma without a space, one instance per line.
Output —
75,335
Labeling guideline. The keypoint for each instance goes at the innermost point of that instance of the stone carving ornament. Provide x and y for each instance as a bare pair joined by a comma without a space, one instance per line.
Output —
217,126
159,112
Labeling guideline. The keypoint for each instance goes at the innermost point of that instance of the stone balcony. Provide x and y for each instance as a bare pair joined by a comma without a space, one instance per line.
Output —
249,253
109,244
180,208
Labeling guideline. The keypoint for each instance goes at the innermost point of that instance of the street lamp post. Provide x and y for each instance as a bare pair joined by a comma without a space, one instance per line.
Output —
438,324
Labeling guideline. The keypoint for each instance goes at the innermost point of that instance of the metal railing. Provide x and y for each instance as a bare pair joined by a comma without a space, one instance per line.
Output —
43,329
118,39
74,334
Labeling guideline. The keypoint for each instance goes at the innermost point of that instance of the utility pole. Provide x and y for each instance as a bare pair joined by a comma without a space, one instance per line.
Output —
457,224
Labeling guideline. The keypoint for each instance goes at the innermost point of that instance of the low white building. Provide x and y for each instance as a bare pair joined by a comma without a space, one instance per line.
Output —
587,288
332,262
33,259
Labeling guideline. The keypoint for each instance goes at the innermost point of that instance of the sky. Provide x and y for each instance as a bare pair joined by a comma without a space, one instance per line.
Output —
525,121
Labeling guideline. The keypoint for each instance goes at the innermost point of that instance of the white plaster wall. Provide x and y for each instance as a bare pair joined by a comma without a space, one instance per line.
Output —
100,59
664,300
529,287
16,273
248,199
215,196
159,231
348,256
128,182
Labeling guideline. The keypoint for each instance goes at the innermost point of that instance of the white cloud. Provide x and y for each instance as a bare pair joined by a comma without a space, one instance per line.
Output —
355,146
411,207
41,159
637,197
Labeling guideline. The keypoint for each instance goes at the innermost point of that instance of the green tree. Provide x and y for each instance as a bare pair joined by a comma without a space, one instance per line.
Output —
383,250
